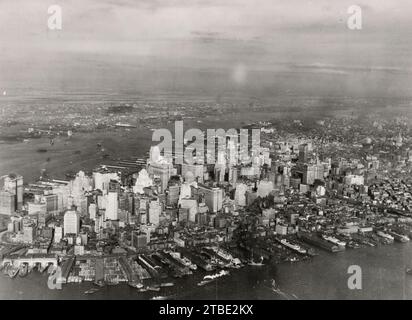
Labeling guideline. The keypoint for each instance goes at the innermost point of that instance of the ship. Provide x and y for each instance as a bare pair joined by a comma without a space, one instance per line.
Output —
158,298
167,284
314,240
387,237
335,241
292,246
135,284
203,282
256,264
216,275
99,283
183,260
399,237
409,271
153,288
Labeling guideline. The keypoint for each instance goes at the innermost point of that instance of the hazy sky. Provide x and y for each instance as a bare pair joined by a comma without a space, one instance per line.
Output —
214,47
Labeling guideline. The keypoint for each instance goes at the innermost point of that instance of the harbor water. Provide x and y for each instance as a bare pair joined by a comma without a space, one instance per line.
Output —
323,277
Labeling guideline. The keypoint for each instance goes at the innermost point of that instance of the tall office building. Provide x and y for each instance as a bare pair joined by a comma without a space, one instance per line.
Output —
13,183
71,224
304,153
213,197
7,203
52,203
155,209
162,170
112,206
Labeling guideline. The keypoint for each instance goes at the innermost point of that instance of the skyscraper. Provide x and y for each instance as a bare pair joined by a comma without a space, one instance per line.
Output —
71,223
7,203
13,183
213,197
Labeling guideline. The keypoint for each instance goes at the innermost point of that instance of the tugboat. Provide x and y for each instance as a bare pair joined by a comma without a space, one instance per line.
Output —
275,287
203,282
409,271
167,284
256,264
135,284
91,291
159,298
153,288
99,283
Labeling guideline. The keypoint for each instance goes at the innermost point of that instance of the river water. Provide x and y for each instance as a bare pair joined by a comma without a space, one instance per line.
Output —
323,277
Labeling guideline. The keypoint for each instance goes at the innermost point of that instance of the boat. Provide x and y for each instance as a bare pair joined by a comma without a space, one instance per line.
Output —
335,241
385,236
292,246
99,283
91,291
167,284
275,287
256,264
153,288
142,289
23,270
158,298
135,284
203,282
216,275
399,237
409,271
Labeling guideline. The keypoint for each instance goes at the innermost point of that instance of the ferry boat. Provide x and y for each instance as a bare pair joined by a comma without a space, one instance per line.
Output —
203,282
185,261
292,246
153,288
334,241
167,284
216,275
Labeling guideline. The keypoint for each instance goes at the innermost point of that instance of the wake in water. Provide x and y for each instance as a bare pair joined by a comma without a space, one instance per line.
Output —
276,290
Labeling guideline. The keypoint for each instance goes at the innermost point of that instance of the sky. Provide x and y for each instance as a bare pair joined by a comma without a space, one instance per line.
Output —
260,48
